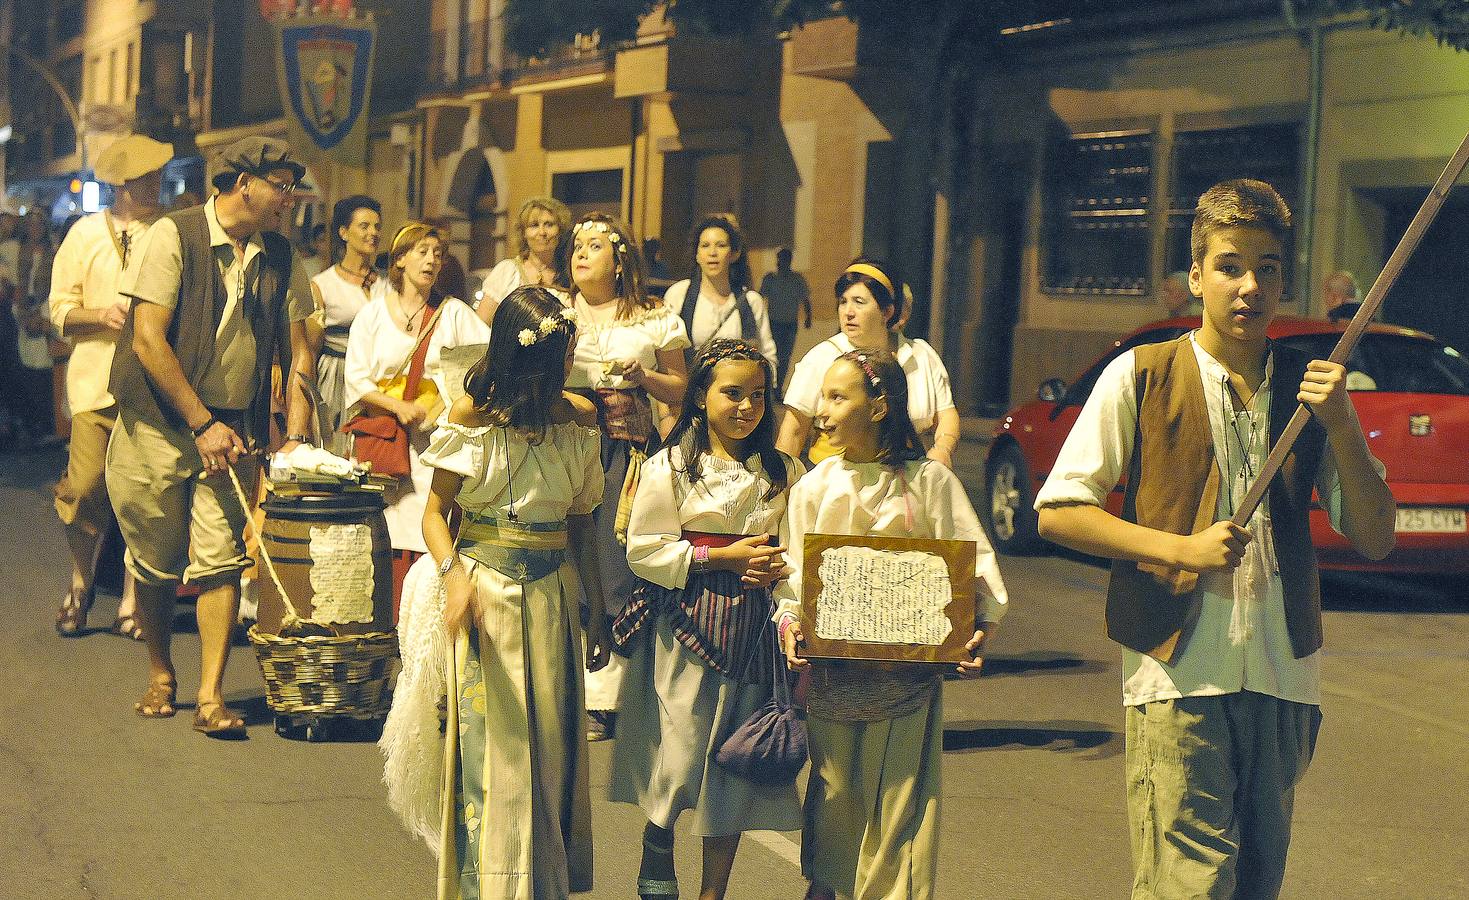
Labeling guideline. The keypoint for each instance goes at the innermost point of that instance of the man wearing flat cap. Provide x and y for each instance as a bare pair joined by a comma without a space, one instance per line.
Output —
217,297
87,309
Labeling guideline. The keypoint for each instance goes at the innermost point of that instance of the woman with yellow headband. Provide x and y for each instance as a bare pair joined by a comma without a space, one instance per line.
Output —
405,309
870,313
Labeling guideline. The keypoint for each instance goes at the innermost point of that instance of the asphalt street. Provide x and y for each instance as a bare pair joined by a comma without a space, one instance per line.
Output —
97,803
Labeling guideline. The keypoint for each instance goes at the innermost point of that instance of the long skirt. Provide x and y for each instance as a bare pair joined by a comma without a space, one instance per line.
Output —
517,810
872,805
605,686
331,381
674,715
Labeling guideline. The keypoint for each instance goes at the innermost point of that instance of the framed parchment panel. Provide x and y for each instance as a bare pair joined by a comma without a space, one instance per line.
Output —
887,598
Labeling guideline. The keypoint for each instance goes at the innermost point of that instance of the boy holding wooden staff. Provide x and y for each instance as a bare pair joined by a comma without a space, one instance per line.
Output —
1220,625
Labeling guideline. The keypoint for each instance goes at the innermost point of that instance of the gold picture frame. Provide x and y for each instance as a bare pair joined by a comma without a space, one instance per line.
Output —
958,556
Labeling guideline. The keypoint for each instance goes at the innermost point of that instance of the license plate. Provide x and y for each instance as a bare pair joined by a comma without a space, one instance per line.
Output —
1430,520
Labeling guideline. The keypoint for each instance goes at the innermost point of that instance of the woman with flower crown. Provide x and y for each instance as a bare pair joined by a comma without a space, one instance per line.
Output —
491,631
629,352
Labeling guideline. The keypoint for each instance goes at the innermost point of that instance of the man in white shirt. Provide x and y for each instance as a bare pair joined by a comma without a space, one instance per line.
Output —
87,309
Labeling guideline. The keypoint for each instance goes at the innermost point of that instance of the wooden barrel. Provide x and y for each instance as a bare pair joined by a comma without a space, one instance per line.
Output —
332,554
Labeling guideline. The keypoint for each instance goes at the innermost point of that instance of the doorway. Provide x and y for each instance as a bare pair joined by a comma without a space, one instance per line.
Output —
1430,293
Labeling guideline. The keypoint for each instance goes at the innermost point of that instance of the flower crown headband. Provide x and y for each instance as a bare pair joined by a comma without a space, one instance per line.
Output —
565,318
727,347
596,226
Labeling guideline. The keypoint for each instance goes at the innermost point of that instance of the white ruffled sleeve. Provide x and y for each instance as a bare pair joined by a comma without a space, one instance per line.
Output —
456,448
655,549
943,499
799,518
668,331
588,457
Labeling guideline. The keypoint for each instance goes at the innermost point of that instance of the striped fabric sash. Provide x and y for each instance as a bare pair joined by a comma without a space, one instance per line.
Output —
521,551
714,615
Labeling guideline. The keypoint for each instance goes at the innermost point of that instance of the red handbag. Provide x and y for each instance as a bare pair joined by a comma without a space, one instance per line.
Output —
379,438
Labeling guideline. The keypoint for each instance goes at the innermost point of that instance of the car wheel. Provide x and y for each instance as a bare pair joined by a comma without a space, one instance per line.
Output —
1011,518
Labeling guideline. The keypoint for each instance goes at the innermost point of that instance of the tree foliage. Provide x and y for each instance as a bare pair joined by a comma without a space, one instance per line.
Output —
536,27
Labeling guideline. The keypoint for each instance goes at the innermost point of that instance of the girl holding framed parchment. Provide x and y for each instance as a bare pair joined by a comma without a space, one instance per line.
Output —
697,631
876,729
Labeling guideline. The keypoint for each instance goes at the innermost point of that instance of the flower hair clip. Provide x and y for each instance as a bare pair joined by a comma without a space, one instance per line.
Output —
549,324
868,371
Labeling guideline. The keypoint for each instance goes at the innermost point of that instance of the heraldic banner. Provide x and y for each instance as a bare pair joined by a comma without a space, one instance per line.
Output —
324,66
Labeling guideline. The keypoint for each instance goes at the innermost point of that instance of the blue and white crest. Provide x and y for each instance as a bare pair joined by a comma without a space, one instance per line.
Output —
326,73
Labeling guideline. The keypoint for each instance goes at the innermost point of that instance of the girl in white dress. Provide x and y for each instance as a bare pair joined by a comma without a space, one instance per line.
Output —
723,303
341,292
541,226
629,352
384,335
876,731
697,629
502,796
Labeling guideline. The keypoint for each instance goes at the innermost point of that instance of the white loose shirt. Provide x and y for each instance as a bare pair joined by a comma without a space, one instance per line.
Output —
729,498
1240,641
724,317
341,300
928,380
85,275
376,348
603,345
841,497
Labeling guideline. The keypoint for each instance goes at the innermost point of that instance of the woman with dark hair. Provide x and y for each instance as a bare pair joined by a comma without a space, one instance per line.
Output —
870,307
341,291
697,630
403,312
491,630
540,227
876,732
629,353
725,304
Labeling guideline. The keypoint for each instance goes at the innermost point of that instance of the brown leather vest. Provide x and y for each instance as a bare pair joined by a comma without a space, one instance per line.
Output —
201,301
1173,485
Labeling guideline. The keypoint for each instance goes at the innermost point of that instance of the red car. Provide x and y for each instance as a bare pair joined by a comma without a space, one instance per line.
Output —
1411,393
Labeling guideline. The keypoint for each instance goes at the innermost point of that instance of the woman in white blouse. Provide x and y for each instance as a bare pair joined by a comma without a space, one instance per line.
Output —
724,305
341,291
384,334
540,226
869,311
629,351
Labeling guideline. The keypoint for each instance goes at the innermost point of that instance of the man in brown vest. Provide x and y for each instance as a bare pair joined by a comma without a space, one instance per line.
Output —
218,296
1220,625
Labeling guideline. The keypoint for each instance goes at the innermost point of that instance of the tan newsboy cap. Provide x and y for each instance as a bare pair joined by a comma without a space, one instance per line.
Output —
131,157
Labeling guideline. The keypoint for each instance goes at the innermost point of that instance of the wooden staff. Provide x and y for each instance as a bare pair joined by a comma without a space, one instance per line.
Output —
1348,342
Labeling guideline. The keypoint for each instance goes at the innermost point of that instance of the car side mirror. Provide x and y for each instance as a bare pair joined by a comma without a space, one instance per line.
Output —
1052,390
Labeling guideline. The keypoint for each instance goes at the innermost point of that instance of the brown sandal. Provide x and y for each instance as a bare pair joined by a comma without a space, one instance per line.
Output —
72,617
221,722
128,627
158,701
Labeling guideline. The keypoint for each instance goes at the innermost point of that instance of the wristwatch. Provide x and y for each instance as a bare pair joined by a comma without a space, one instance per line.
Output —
298,438
448,564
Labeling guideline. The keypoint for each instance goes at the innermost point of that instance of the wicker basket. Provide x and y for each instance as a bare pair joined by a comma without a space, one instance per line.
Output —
316,675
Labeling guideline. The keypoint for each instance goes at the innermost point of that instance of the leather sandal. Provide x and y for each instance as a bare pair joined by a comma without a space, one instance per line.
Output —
158,701
220,722
72,617
128,627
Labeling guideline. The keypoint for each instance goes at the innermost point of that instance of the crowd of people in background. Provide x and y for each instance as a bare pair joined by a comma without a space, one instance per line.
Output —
599,531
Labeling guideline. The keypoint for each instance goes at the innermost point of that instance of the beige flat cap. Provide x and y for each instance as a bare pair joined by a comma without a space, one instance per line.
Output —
131,157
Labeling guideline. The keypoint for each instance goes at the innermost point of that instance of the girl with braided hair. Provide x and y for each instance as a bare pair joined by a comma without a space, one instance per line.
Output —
876,730
697,630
